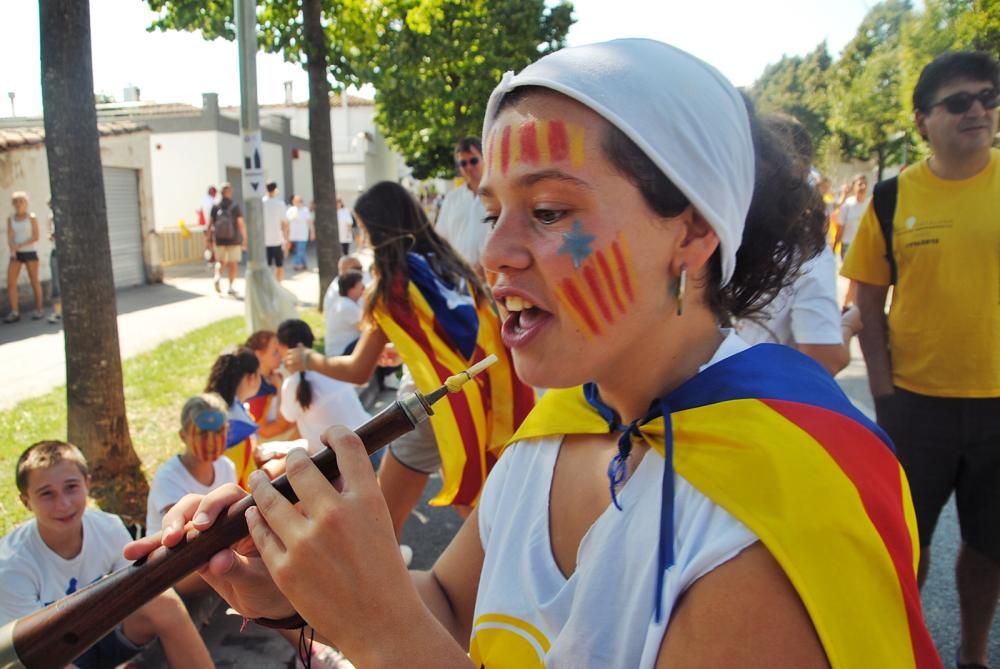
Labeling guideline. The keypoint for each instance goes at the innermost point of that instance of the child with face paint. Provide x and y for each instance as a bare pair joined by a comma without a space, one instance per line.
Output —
677,498
200,469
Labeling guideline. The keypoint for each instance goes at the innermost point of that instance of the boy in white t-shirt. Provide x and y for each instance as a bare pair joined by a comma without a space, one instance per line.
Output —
343,318
199,470
67,546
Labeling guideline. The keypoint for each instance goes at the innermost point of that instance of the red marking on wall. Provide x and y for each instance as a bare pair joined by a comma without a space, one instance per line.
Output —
623,270
505,150
529,143
558,141
593,281
576,300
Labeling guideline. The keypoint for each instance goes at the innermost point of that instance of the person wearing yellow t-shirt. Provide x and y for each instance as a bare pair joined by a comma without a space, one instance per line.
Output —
934,365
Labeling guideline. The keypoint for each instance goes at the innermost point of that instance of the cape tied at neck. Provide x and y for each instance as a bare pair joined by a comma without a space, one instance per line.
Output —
662,441
767,435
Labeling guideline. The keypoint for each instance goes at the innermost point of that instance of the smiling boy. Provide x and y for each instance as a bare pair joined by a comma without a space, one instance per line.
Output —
67,546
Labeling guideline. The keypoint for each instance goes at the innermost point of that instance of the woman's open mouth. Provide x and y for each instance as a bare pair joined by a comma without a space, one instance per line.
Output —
524,322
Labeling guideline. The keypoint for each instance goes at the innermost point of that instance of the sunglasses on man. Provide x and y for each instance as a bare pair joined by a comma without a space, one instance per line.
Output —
471,162
959,103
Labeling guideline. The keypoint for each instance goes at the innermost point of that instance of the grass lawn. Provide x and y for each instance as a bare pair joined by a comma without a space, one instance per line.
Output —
157,383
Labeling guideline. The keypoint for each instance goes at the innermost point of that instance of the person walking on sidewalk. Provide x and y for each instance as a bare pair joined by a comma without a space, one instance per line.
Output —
934,366
22,235
275,230
300,231
228,232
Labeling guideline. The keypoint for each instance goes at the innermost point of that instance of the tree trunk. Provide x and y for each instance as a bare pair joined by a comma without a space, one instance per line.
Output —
321,147
882,153
94,393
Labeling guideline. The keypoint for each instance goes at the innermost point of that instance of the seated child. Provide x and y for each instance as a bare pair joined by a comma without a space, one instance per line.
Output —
235,376
199,470
67,546
343,317
314,401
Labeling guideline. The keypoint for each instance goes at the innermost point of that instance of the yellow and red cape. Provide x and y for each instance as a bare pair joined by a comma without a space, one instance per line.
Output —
767,435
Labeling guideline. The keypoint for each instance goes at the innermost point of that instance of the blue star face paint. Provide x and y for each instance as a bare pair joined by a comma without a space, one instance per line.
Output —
576,244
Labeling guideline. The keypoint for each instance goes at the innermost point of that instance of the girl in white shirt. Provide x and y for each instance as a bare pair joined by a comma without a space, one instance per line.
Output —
22,235
312,401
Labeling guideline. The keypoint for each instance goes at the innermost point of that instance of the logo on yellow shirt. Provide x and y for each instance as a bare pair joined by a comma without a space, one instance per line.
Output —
506,642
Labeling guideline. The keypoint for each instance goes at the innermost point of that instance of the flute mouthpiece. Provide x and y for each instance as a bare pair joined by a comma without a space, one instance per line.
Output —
453,384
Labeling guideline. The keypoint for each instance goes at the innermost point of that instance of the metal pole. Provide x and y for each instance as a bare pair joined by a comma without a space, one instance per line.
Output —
267,303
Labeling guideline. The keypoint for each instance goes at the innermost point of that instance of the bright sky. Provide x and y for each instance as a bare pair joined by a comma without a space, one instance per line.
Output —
738,37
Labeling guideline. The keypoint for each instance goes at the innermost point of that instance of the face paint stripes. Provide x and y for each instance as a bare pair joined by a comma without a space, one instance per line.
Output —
600,293
537,143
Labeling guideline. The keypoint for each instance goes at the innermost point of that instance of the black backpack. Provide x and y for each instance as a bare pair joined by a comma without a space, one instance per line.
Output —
884,198
226,232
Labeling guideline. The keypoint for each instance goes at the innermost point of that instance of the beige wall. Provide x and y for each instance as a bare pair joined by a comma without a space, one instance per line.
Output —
27,169
185,165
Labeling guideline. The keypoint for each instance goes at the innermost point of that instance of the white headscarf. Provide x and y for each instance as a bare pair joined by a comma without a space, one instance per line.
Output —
681,112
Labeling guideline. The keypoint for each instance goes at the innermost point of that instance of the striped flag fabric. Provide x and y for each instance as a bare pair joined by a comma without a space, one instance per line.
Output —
440,330
767,435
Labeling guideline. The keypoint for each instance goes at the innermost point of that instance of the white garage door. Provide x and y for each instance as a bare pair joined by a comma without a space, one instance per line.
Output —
121,192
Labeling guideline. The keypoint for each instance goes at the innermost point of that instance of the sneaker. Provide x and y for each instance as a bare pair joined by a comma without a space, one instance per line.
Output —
54,317
232,292
37,315
12,317
325,657
217,282
407,554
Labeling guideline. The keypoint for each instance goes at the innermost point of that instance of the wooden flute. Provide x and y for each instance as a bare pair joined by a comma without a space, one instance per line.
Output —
59,633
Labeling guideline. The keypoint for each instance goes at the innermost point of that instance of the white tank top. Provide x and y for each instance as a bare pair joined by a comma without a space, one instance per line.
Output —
22,232
528,615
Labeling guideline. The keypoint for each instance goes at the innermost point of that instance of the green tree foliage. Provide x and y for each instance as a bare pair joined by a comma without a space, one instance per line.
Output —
865,88
797,86
433,63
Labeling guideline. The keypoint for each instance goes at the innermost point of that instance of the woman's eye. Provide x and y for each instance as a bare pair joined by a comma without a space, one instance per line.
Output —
548,216
491,221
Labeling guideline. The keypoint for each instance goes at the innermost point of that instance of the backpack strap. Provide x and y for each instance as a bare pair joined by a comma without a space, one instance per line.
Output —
884,198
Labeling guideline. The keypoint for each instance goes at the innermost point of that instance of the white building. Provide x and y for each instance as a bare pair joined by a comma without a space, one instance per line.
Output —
361,156
128,189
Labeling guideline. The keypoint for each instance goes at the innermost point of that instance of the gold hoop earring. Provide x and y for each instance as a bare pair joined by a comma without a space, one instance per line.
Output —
681,288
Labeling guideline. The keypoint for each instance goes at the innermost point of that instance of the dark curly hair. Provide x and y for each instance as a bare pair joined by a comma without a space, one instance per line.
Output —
397,225
229,369
291,333
784,226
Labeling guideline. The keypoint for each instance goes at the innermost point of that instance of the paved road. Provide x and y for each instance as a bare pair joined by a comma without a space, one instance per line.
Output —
32,352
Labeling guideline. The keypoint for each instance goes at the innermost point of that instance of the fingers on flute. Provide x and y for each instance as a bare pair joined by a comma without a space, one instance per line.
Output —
272,509
356,471
140,548
211,505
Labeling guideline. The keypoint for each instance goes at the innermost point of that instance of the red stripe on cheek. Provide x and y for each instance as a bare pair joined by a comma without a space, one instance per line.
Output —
595,287
529,143
505,150
620,259
558,141
602,262
576,299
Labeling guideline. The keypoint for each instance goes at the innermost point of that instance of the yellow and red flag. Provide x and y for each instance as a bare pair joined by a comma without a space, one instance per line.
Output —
440,330
767,435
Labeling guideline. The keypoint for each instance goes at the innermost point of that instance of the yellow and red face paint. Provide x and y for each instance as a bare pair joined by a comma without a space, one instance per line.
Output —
602,290
536,143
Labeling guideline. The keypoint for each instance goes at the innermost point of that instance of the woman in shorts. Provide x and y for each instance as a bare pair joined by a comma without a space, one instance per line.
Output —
22,235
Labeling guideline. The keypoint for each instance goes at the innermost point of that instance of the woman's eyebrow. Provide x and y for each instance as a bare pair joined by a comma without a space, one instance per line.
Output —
533,178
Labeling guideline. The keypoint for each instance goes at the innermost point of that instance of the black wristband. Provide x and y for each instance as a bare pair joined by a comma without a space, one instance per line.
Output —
292,622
